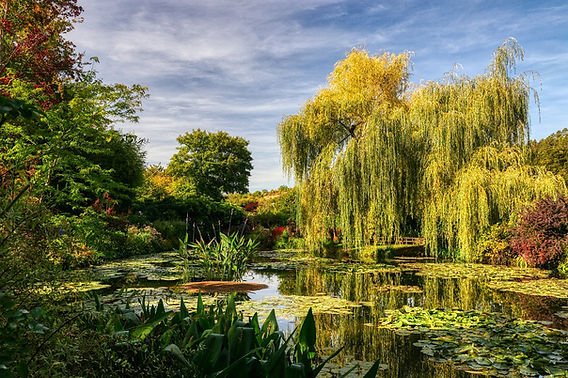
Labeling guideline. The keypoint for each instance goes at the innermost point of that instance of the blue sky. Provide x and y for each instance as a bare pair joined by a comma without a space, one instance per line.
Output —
242,65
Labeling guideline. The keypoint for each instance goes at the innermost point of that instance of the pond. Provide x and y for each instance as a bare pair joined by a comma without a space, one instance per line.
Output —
419,318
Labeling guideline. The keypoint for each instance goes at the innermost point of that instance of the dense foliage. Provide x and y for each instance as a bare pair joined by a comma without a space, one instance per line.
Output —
268,208
541,237
214,341
33,47
552,153
271,216
445,159
373,160
211,164
174,213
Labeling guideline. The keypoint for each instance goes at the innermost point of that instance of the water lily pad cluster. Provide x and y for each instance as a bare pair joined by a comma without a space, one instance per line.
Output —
551,287
161,267
400,288
478,271
292,307
293,261
487,343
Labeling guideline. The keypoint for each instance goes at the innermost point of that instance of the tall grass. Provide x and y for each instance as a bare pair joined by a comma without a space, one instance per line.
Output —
225,257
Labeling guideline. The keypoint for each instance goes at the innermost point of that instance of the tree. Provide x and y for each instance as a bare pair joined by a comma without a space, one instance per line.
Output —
74,153
378,160
211,164
552,153
33,47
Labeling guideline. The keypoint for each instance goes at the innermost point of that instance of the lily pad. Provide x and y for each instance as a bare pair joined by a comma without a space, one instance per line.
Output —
550,287
478,271
488,343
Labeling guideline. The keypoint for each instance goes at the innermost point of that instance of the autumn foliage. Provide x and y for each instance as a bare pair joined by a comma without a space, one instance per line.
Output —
33,47
541,237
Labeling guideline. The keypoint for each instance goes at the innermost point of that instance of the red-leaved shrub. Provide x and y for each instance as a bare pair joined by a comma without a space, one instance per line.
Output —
541,236
278,231
250,206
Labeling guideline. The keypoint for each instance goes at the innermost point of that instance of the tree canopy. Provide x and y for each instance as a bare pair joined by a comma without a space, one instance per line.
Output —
73,149
552,153
33,47
211,164
376,157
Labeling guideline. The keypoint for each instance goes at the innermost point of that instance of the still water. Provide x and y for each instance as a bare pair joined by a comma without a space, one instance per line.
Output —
351,298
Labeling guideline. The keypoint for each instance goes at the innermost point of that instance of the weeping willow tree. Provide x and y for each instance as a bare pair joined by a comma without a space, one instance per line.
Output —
376,158
327,148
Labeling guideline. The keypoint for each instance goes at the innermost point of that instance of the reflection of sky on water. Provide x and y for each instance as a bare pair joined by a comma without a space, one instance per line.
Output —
258,277
272,281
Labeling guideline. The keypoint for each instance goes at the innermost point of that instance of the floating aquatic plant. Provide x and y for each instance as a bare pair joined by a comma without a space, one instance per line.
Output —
551,287
486,343
292,307
479,271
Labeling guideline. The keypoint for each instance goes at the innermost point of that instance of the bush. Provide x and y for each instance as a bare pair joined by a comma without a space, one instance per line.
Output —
286,241
201,211
563,269
170,230
541,237
263,236
494,246
141,241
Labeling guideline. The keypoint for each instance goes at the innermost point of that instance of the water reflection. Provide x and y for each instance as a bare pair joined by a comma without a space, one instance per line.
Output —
389,289
377,290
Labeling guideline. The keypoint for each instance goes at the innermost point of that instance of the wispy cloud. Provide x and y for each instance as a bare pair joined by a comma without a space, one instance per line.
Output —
242,66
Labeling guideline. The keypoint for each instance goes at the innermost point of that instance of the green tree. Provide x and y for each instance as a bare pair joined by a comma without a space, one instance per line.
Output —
448,159
74,150
211,164
552,153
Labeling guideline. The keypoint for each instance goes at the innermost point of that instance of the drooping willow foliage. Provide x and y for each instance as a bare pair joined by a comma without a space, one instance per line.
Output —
375,159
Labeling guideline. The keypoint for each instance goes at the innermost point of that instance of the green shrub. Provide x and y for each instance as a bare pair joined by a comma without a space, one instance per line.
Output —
170,230
196,210
263,236
141,241
285,241
494,246
563,269
19,330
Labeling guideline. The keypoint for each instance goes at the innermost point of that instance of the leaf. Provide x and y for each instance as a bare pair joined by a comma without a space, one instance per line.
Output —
270,323
174,349
213,346
372,373
142,331
308,331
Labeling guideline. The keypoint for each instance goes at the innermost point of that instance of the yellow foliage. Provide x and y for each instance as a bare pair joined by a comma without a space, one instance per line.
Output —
375,159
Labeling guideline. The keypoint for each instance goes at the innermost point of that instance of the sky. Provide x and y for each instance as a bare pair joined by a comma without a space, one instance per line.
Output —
242,65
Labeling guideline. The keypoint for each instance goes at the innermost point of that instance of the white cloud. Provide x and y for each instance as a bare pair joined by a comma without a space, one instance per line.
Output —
242,66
